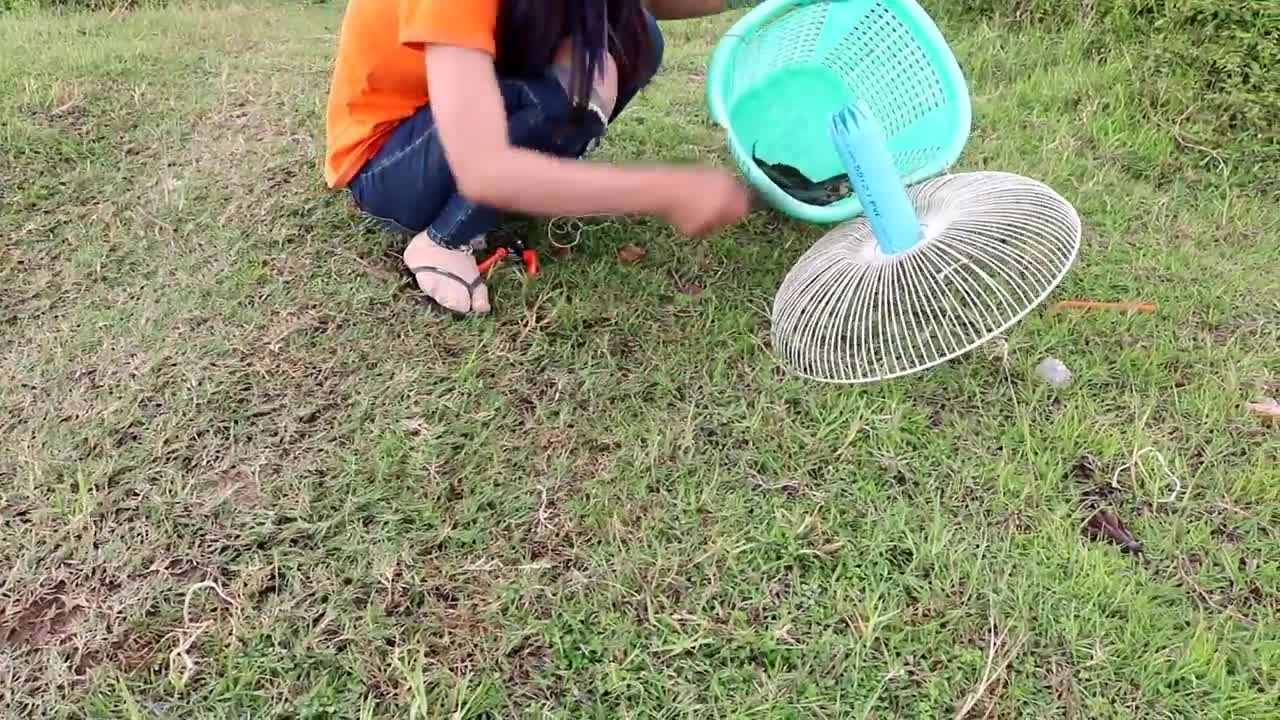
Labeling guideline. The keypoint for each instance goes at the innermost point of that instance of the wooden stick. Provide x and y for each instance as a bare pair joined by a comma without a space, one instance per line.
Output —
1091,305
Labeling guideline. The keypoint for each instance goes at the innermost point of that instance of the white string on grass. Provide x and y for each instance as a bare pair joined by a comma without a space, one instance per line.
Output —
566,225
1133,465
192,631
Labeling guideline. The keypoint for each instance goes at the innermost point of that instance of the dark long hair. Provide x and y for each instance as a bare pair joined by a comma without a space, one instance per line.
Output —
530,31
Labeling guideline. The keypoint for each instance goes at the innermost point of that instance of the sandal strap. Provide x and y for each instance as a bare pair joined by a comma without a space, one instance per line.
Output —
470,286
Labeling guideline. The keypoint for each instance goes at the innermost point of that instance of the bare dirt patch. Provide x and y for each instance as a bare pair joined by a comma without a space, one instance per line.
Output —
49,619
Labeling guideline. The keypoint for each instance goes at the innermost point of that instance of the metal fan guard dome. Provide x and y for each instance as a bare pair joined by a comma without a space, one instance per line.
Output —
995,245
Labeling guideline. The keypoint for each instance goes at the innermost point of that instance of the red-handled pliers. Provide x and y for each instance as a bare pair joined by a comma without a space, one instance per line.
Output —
512,246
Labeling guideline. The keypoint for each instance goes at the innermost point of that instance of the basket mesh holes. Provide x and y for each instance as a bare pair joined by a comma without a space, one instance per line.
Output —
790,39
911,160
883,63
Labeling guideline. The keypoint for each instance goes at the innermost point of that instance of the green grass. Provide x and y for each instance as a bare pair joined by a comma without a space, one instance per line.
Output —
609,501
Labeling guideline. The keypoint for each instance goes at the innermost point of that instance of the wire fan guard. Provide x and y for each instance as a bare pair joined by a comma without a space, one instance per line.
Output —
995,245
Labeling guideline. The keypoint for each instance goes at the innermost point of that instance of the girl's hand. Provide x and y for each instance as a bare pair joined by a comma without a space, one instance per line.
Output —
704,200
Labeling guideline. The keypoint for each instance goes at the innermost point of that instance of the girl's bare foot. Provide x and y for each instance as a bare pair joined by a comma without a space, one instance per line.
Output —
450,277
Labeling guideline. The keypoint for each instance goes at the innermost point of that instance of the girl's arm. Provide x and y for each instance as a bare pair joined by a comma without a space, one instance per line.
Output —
686,9
472,121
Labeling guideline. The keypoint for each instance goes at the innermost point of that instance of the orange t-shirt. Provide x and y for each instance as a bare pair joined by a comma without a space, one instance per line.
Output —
381,74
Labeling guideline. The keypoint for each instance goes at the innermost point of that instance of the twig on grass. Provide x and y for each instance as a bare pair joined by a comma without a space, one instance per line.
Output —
1133,307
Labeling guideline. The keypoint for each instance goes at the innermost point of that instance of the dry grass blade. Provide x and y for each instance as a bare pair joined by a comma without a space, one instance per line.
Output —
999,655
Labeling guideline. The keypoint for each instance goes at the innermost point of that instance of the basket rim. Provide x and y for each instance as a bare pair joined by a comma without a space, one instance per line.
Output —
717,76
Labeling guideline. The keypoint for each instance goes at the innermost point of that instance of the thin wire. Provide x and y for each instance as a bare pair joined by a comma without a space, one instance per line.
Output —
565,225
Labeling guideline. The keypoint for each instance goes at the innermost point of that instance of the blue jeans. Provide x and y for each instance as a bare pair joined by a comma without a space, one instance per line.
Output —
409,186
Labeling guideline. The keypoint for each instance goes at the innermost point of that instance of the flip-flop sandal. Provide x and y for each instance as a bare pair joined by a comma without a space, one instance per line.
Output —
470,286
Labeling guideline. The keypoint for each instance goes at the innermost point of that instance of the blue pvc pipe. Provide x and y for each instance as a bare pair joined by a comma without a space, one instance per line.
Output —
875,179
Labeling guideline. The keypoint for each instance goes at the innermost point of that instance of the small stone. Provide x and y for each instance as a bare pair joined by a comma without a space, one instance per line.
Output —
1052,371
1267,410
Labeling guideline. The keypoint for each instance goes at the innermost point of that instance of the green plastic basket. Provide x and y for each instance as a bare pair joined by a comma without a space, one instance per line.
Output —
781,72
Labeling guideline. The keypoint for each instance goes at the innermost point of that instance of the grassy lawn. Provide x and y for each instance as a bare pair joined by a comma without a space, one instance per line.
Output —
245,475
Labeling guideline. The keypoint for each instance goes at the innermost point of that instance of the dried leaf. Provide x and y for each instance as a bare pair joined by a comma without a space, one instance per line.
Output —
1267,409
1104,525
631,253
691,289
